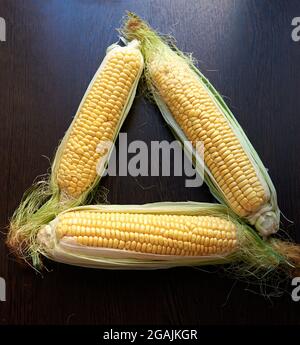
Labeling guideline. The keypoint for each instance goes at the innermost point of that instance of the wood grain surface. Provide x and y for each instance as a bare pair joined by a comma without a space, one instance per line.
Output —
52,49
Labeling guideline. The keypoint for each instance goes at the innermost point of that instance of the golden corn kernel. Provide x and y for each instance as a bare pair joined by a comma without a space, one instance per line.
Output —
109,92
201,235
201,120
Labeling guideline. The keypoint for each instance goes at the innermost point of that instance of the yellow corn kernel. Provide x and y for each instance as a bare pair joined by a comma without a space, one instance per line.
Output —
204,235
97,120
202,121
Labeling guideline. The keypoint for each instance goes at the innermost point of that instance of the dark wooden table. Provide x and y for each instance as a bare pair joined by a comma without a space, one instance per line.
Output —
52,50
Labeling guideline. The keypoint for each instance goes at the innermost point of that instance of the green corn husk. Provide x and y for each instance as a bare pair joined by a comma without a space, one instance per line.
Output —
156,48
251,257
44,200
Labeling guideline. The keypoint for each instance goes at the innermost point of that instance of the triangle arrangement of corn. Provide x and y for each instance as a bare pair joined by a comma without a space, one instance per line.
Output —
55,221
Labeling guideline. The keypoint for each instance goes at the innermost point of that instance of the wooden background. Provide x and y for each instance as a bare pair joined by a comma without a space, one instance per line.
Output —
52,50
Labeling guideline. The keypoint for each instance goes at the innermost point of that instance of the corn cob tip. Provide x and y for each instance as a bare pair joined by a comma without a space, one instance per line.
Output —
267,223
44,235
133,44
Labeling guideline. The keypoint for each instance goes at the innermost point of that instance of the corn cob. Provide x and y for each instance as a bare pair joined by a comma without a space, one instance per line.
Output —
98,119
159,235
197,113
79,162
156,234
